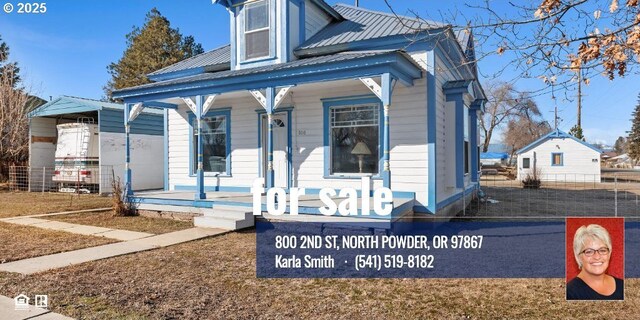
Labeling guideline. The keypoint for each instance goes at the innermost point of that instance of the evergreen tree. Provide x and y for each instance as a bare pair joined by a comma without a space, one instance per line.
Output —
7,68
576,131
633,141
150,48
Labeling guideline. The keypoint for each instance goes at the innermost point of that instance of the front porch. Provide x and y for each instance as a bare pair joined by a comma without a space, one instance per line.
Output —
184,202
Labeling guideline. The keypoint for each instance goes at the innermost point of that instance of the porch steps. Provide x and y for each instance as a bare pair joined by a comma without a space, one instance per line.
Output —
226,217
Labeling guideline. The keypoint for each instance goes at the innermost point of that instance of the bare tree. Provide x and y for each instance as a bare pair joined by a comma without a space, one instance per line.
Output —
552,39
522,131
14,126
504,103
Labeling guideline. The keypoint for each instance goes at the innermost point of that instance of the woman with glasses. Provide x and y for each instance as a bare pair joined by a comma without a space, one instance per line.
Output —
592,250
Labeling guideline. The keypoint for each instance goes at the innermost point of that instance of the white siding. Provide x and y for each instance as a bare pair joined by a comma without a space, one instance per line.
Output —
578,161
408,158
315,19
42,154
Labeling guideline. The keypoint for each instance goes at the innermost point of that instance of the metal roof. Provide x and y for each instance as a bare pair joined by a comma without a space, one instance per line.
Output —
556,134
339,57
362,24
68,105
214,60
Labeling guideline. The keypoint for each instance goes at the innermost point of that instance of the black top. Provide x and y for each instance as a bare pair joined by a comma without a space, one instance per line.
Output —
579,290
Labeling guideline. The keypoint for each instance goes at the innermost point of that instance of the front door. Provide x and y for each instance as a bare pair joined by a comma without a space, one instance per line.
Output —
280,144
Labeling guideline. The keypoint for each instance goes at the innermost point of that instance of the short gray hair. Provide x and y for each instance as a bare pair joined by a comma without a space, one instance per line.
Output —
592,231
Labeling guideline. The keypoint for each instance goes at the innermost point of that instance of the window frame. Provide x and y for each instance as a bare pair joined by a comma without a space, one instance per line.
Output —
553,155
528,162
226,112
241,33
332,103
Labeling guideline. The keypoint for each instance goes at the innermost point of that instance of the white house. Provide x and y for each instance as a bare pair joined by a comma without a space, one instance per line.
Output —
309,95
559,156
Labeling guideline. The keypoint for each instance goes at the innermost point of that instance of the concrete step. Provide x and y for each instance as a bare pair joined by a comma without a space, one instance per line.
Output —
222,223
229,212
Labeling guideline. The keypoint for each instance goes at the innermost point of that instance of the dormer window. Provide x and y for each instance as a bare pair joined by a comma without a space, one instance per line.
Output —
256,30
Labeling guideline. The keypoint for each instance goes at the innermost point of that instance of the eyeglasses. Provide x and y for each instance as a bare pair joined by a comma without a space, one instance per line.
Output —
590,252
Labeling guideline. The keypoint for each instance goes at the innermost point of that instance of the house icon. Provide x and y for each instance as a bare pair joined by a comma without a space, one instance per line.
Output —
21,302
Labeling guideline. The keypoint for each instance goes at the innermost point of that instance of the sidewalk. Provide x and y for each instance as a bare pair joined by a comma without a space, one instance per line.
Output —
60,260
9,312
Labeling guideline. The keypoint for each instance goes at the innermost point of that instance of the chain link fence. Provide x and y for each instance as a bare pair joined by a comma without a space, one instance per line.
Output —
611,194
51,179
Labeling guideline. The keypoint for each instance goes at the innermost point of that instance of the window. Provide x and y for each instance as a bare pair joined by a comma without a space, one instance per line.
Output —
556,159
526,163
256,30
467,157
354,136
215,151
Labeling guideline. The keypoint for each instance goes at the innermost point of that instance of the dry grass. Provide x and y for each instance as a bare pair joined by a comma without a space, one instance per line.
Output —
215,278
106,219
21,242
14,204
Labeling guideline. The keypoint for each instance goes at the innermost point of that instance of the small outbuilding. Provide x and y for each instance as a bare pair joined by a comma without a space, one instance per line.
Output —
95,146
559,156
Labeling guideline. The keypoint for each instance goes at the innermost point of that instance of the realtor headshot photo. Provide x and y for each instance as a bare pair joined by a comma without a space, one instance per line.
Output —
595,258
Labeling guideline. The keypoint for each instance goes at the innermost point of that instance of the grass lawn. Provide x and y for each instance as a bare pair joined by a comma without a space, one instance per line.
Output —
215,278
21,242
137,223
14,204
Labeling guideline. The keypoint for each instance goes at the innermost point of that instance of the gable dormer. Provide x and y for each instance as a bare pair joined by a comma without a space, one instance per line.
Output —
265,32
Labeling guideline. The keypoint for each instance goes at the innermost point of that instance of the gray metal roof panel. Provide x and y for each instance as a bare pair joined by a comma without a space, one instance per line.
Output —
362,24
275,67
215,57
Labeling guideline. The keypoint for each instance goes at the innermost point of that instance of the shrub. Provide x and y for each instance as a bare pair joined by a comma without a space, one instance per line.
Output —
121,206
532,179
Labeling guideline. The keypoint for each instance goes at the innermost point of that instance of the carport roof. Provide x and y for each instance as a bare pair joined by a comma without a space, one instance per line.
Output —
69,105
556,134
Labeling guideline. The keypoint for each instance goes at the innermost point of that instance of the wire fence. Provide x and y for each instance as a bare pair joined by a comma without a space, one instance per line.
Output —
96,179
610,194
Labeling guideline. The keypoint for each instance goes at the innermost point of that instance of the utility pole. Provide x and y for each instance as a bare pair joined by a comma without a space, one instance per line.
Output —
356,3
555,117
579,98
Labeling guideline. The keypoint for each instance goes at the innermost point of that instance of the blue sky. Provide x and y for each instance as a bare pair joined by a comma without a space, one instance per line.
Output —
65,51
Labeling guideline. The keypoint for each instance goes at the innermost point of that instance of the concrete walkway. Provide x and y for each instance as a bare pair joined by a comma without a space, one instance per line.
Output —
122,235
9,312
60,260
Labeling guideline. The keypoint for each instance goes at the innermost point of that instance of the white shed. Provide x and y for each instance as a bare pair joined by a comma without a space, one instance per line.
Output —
559,156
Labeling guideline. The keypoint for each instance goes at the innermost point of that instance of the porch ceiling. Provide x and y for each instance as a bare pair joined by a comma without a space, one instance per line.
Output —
326,68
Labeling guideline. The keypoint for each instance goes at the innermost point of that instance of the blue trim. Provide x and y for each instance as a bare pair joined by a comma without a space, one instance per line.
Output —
200,194
166,149
348,101
457,196
556,134
279,110
212,113
431,131
553,154
158,104
233,46
473,136
302,22
284,31
213,188
386,83
454,92
392,62
176,74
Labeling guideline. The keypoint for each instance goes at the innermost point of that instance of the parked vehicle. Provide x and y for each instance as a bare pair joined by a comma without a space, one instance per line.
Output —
77,161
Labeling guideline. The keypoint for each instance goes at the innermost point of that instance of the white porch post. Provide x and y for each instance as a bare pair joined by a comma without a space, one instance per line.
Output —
127,144
386,86
200,193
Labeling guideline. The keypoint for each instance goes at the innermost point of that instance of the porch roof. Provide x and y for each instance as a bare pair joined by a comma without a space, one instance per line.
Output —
325,68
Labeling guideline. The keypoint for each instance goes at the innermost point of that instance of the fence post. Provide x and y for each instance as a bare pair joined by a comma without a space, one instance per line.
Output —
44,174
615,192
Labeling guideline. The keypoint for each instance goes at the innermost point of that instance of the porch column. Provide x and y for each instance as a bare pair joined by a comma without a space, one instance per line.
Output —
127,144
386,85
269,106
473,137
200,194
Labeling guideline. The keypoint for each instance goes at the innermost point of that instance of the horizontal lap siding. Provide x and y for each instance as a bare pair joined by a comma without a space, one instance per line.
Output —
577,165
244,155
315,19
113,121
